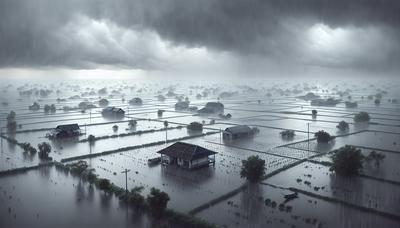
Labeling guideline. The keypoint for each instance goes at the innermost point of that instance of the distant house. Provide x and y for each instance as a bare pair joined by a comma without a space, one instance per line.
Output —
187,155
67,130
113,112
236,132
212,108
181,105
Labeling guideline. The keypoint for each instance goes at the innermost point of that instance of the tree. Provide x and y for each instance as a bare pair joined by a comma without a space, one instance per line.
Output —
104,184
91,138
347,161
157,201
26,146
44,150
362,117
11,123
253,168
343,126
377,157
314,112
160,112
115,128
322,136
132,123
46,108
103,102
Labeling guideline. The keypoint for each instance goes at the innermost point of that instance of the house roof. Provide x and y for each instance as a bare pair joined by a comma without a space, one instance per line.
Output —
214,105
238,129
68,127
186,151
113,109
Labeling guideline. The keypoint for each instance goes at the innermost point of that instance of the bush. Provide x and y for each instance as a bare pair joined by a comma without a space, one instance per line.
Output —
104,184
132,123
347,161
157,201
288,134
323,136
103,102
314,112
343,126
362,117
253,168
195,126
374,156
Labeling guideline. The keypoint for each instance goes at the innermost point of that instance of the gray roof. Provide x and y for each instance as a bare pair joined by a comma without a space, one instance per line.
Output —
68,127
238,129
113,109
186,151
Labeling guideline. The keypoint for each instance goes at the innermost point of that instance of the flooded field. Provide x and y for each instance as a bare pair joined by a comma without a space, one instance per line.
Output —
298,164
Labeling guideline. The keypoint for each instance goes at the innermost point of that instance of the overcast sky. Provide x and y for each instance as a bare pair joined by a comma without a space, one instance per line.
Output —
209,36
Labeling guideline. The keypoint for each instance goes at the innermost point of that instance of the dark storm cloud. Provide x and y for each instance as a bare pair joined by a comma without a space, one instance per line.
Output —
37,33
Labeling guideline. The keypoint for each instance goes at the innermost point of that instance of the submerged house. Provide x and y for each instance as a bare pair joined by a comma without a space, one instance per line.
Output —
67,130
113,112
187,155
236,132
212,108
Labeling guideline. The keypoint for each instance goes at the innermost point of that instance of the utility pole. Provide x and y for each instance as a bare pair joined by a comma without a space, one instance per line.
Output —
1,136
90,117
308,135
220,136
126,179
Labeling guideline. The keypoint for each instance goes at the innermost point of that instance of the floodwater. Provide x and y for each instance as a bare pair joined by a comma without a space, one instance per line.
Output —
43,197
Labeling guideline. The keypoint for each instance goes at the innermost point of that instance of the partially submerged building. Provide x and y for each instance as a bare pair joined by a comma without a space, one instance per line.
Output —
113,112
212,108
187,155
67,130
236,132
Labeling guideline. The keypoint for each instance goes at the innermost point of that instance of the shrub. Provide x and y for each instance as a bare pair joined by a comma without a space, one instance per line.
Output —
362,117
322,136
288,134
314,112
104,184
347,161
103,102
195,126
377,157
132,123
343,126
253,168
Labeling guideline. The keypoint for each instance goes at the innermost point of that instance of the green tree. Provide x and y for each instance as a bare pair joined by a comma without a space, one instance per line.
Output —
253,168
347,161
157,201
